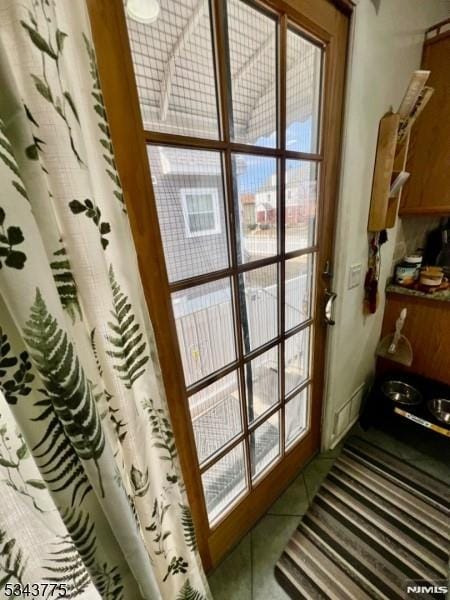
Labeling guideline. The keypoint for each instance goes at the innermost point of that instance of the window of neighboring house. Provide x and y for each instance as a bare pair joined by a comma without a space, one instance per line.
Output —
200,211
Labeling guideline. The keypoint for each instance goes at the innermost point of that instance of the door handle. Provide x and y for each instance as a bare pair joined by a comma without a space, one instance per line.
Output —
330,297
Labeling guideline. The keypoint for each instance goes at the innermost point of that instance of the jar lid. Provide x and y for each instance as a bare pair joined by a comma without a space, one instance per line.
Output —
432,271
414,259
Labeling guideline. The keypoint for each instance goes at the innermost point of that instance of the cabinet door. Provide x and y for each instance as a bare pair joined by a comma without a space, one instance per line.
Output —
428,189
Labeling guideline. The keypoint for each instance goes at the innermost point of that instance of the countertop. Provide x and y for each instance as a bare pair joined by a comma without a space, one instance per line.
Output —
443,295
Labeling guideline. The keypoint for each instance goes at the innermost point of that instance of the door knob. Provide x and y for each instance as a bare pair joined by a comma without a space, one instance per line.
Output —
330,297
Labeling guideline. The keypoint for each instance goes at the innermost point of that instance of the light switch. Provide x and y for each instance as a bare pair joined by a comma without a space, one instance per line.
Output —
354,276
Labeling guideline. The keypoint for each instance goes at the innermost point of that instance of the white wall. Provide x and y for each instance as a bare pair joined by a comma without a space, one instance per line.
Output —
386,48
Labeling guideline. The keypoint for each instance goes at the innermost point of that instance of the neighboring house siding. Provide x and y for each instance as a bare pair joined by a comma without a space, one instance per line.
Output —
187,256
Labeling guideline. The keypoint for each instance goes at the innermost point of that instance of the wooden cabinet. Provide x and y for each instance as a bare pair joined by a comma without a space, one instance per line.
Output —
427,327
428,190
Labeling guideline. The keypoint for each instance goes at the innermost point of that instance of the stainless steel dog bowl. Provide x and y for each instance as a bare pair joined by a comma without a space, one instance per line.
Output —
440,408
401,392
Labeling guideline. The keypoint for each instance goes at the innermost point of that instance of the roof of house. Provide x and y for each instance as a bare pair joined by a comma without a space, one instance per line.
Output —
175,74
247,199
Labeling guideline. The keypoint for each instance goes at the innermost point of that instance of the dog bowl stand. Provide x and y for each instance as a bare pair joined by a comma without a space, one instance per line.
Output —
421,421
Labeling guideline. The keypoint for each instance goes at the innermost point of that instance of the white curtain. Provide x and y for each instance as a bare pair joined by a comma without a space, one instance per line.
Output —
91,493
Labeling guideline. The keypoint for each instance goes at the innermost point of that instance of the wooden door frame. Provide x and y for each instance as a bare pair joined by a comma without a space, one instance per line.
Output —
114,60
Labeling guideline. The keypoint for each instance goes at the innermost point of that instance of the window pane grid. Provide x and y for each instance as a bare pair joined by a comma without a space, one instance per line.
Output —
216,415
174,70
244,436
202,383
203,315
279,408
182,178
225,482
297,360
303,391
256,206
269,370
253,68
259,305
297,417
180,141
265,445
300,206
262,383
303,89
298,289
229,272
305,384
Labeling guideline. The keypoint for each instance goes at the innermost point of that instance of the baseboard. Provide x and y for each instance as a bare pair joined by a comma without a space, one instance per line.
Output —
347,415
336,440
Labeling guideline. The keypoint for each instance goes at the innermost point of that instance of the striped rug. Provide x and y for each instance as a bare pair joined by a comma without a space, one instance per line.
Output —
375,524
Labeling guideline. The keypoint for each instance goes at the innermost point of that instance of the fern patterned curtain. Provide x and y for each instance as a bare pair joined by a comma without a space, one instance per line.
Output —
91,493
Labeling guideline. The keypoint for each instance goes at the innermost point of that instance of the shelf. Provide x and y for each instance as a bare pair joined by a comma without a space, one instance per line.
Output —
421,211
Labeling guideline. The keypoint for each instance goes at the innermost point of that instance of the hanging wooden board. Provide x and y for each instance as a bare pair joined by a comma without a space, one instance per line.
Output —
401,154
384,163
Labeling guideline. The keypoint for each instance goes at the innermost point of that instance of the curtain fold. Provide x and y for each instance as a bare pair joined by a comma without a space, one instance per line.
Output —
92,495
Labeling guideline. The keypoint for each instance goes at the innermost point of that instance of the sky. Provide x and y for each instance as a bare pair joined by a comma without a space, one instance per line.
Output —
258,169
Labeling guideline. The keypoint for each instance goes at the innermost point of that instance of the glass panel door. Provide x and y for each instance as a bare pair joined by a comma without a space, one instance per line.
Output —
234,150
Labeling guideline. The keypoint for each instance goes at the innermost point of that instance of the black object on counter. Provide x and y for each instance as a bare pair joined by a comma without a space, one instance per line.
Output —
434,243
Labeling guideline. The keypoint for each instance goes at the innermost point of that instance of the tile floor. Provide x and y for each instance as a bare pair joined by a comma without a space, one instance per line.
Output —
248,571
